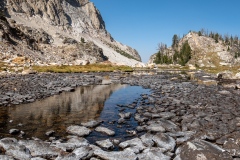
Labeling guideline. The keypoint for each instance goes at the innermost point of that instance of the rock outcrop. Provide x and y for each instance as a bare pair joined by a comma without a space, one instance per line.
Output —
206,52
59,32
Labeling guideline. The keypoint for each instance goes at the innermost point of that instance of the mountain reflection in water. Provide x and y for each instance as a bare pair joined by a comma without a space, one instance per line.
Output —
56,112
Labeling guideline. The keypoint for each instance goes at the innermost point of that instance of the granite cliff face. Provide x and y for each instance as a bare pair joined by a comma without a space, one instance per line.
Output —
59,32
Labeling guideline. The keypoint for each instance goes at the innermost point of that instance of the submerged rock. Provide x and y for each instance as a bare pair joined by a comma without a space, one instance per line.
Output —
125,115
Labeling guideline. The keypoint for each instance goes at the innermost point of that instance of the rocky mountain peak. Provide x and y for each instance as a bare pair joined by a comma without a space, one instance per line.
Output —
62,32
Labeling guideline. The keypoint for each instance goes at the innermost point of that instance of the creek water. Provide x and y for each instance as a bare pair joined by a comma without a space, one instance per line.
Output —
96,102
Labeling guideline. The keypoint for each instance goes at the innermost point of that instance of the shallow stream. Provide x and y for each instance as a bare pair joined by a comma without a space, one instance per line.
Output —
96,102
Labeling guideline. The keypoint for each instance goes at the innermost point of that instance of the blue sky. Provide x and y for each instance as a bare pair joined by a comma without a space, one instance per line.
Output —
142,24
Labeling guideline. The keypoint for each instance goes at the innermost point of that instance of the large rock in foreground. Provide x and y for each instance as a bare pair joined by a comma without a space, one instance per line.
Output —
199,149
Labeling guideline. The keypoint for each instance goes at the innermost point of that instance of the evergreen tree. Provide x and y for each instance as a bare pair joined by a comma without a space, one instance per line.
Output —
226,39
185,54
175,41
199,33
175,56
216,37
231,40
211,35
162,59
82,40
235,40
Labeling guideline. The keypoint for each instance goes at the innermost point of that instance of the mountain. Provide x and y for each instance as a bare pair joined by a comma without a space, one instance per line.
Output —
70,32
206,50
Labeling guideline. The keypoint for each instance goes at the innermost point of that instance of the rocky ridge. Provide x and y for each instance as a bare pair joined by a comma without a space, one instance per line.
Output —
59,32
206,52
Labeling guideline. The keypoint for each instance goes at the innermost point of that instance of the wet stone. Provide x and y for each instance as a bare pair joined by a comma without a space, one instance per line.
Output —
78,130
105,131
14,131
50,133
125,115
121,121
91,124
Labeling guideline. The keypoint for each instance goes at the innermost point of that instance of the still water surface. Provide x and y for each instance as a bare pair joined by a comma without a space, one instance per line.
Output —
56,113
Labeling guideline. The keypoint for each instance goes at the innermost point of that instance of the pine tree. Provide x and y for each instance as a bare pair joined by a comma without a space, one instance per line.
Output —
175,41
216,37
235,40
199,33
231,40
82,40
185,54
226,37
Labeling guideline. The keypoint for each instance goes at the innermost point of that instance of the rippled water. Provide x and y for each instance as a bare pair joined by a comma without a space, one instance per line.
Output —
56,113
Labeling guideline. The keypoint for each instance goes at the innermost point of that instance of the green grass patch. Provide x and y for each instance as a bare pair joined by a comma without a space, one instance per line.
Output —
79,69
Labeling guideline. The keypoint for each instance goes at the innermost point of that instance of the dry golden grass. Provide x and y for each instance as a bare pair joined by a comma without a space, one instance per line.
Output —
2,65
86,68
215,70
19,60
214,58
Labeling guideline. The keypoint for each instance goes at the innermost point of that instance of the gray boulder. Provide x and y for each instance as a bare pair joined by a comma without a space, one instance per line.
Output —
106,144
14,149
78,130
153,154
105,131
91,124
199,149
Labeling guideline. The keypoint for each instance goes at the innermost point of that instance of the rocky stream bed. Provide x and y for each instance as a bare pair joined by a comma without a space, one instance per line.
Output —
180,119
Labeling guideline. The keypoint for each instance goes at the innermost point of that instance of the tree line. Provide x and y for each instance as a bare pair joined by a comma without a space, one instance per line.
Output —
226,38
179,57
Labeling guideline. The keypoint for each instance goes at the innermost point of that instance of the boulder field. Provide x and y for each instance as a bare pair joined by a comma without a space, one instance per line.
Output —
181,120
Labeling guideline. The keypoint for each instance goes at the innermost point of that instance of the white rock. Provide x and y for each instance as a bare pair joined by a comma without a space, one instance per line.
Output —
78,130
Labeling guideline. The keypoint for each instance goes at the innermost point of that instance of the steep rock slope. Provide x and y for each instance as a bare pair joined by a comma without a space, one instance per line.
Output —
61,32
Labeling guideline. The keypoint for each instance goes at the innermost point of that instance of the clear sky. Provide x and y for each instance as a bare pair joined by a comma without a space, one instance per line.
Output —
142,24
